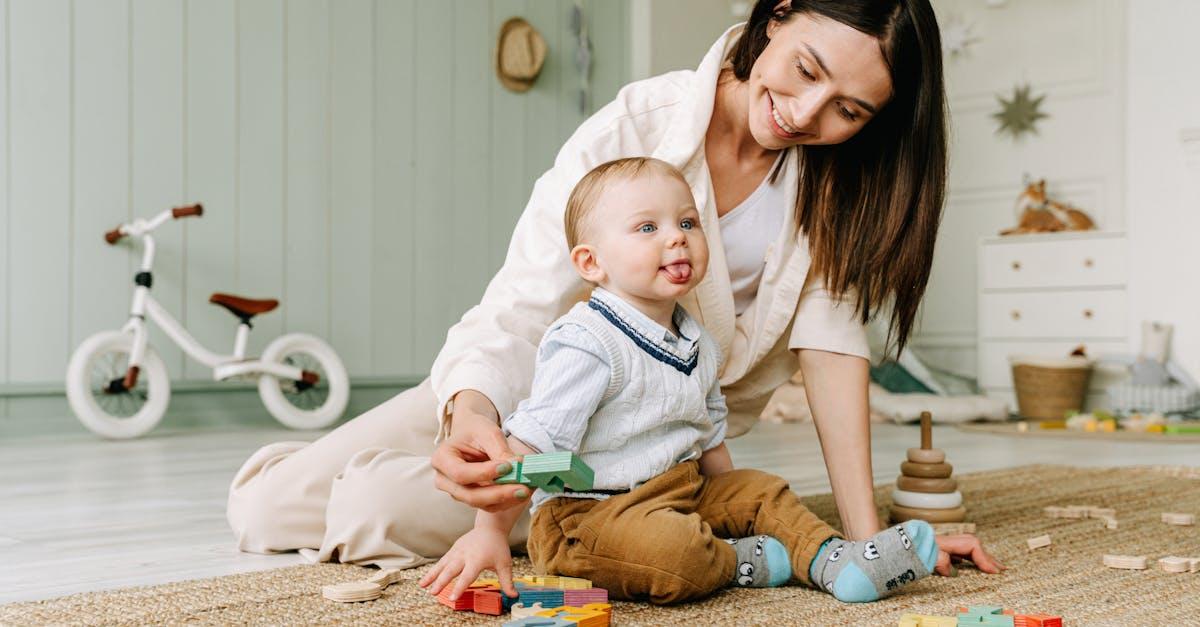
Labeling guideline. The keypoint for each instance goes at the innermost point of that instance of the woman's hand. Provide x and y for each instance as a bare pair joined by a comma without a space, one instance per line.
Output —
483,548
955,548
474,455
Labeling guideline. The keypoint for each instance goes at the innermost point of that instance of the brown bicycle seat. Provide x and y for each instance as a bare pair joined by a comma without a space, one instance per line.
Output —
244,308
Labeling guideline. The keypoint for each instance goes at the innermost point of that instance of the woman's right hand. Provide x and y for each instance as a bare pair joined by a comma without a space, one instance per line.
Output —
474,455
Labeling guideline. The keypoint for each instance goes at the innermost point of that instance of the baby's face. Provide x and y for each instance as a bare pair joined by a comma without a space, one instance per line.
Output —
647,238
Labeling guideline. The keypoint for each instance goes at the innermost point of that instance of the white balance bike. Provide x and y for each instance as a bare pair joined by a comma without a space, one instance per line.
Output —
119,388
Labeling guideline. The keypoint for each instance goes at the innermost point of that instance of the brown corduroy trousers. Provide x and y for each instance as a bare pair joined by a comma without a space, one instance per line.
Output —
663,541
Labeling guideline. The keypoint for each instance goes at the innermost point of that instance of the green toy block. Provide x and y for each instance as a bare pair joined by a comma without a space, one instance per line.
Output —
1180,428
984,609
514,475
553,472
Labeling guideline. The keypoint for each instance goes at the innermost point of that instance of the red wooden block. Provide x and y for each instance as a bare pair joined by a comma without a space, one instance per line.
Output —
488,602
1043,620
465,602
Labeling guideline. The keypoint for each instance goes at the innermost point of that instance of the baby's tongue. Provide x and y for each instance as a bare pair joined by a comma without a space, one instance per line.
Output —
679,271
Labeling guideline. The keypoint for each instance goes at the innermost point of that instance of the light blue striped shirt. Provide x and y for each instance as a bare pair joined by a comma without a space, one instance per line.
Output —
626,394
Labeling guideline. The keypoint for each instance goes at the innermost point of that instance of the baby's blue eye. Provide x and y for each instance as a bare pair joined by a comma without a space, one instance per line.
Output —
687,224
643,228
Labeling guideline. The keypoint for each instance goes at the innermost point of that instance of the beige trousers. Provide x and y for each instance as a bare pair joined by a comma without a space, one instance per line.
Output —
361,494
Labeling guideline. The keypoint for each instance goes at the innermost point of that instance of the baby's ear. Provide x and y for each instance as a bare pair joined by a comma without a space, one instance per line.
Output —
583,257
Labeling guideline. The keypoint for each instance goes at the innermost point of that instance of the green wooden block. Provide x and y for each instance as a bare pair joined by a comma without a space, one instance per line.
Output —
514,475
553,472
1183,428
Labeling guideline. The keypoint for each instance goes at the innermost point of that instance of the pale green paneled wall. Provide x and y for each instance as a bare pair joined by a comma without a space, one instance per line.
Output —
357,159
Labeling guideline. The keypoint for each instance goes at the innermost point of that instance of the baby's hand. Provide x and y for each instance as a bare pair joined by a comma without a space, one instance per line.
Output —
483,548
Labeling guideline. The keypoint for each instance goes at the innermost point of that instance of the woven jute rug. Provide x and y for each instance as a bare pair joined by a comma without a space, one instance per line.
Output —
1066,578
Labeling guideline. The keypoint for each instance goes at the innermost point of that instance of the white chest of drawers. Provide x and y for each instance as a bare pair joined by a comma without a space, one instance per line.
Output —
1045,295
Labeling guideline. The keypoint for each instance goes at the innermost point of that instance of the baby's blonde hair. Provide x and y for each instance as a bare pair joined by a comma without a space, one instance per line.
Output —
589,188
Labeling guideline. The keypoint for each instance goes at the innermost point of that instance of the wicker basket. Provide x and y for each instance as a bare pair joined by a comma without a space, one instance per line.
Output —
1048,388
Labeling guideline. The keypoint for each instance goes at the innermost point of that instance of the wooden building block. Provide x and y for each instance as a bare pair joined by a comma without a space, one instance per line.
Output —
1175,564
1178,518
1128,562
1042,620
352,591
488,602
520,610
1038,542
553,472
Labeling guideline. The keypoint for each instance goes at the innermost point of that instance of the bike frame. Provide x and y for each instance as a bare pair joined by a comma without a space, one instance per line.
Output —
223,366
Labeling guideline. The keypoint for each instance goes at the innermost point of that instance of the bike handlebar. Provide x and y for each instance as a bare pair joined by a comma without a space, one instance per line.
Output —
141,227
188,210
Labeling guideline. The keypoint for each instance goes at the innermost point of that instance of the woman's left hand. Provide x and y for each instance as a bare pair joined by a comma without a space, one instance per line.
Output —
963,546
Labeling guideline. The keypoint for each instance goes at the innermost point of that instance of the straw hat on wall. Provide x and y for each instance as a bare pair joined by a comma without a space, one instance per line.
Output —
520,53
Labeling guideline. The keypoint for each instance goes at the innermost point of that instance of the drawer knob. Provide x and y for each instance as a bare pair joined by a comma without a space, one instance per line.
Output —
1087,263
1016,265
1087,313
1016,315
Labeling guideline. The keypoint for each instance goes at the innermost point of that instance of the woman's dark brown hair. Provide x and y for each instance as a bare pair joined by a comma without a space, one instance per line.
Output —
870,206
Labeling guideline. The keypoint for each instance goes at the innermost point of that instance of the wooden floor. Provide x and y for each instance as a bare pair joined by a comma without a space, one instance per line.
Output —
79,514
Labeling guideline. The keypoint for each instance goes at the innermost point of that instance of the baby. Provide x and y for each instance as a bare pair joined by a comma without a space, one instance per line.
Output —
628,381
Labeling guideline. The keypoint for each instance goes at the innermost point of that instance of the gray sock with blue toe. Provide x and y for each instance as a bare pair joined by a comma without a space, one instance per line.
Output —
868,570
763,562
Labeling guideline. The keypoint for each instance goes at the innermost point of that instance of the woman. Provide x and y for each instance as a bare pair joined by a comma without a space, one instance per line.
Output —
813,137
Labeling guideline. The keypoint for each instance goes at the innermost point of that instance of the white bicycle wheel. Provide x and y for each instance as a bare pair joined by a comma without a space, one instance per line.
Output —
96,390
298,404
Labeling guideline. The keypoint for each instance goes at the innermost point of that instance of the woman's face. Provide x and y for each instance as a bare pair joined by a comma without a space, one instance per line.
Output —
818,81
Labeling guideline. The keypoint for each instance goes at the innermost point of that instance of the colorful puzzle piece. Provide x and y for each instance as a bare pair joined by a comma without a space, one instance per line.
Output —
578,615
539,621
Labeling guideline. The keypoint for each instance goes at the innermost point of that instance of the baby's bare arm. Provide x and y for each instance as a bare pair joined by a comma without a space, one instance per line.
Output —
715,461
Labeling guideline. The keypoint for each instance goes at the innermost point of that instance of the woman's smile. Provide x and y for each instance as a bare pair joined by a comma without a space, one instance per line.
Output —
778,125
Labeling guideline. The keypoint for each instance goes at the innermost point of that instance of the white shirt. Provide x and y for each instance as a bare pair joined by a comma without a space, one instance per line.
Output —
623,392
747,230
493,348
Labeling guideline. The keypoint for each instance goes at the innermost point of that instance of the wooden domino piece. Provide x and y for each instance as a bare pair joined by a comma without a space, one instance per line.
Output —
1042,620
1177,518
358,591
901,514
352,591
926,471
932,486
1038,542
386,577
1127,562
1175,564
1053,511
926,455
